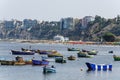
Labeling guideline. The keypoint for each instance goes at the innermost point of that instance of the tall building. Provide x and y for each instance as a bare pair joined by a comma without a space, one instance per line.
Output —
9,24
28,23
87,19
67,23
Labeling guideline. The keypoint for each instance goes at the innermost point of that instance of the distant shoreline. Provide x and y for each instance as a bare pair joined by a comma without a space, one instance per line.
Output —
67,42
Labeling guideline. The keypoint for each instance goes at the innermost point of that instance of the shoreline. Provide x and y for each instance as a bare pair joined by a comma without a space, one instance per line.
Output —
67,42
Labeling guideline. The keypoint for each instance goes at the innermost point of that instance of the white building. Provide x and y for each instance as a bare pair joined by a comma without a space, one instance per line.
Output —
60,38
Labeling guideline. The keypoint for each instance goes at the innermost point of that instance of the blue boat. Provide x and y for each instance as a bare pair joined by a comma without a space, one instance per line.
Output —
40,62
48,69
22,52
93,67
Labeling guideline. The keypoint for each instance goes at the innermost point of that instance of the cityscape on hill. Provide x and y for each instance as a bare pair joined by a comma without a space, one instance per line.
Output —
88,28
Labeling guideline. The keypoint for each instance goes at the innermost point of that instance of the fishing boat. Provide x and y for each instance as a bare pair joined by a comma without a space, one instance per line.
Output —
116,58
92,52
7,62
49,69
55,54
28,62
83,54
22,52
18,61
44,52
40,62
60,60
92,66
23,49
73,49
71,57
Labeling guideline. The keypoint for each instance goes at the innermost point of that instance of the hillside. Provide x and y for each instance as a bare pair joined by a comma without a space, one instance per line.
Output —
47,30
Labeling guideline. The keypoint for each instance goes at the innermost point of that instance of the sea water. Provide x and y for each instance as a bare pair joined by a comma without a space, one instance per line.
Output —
72,70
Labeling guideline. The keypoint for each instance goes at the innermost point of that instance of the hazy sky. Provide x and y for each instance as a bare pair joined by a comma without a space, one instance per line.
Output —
54,10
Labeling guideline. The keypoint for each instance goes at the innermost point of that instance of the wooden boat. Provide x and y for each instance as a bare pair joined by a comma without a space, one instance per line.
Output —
28,50
19,63
71,57
83,54
44,52
73,49
21,52
93,52
92,66
48,69
40,62
116,58
7,62
11,63
28,62
55,54
60,60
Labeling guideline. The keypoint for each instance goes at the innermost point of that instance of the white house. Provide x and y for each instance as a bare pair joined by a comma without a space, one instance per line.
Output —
59,38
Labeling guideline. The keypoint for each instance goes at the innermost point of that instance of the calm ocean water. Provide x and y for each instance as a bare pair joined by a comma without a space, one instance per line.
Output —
68,71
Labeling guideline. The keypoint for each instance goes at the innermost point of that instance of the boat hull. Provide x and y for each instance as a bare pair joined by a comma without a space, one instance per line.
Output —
73,49
71,58
60,60
92,67
38,62
49,70
21,53
116,58
83,55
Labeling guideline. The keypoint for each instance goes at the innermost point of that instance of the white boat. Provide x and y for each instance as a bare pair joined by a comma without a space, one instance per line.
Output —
49,69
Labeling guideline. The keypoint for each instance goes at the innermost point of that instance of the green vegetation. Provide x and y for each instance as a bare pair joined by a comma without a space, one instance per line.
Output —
109,37
108,29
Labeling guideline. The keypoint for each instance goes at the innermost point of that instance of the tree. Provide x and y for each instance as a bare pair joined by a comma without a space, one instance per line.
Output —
109,37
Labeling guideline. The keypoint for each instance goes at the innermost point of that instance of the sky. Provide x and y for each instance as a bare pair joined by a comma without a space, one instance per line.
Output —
54,10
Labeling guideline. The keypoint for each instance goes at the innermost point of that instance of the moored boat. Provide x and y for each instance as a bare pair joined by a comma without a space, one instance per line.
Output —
19,63
28,50
60,60
40,62
7,62
22,52
73,49
116,58
71,57
92,52
55,54
92,66
44,52
49,69
83,54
